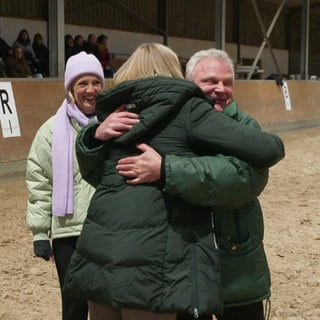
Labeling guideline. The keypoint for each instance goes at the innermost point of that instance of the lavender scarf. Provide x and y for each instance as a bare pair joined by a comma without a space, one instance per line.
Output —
62,157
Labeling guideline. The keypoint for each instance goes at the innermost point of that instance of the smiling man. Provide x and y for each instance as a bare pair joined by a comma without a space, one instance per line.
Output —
245,272
212,71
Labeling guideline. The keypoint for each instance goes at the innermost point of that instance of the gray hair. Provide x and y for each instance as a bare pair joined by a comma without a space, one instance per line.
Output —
212,53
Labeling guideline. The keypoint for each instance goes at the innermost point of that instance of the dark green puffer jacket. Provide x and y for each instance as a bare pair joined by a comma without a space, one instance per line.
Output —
141,248
231,188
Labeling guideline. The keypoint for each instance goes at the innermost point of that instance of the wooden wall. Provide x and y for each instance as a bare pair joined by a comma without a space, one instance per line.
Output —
36,101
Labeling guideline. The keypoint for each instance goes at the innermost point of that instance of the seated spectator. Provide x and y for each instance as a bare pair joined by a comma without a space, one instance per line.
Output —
68,46
2,65
104,56
42,54
78,44
23,40
5,52
90,44
16,65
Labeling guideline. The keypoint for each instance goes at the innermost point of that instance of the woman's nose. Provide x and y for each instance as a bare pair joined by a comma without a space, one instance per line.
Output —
91,88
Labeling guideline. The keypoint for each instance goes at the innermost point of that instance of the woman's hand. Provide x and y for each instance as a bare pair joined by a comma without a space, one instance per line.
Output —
116,124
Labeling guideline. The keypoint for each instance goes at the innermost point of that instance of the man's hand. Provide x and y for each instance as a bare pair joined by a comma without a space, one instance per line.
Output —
116,124
144,168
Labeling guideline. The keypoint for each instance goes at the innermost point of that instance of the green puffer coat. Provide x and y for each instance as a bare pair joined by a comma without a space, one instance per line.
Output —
231,188
141,248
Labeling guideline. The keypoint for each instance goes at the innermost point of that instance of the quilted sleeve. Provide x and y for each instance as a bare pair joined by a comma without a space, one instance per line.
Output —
214,133
91,154
39,184
216,181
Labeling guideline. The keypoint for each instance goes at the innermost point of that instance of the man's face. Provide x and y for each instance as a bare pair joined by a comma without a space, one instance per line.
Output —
215,79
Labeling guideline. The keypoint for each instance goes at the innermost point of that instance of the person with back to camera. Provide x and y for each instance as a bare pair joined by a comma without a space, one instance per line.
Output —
143,254
58,196
228,185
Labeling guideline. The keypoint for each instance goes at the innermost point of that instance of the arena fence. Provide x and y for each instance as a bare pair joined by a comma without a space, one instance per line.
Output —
26,104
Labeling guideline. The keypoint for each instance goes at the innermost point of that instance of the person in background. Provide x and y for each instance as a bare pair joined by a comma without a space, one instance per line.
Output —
68,46
91,43
2,67
143,254
5,52
42,54
16,65
103,54
5,49
58,196
228,185
79,44
23,40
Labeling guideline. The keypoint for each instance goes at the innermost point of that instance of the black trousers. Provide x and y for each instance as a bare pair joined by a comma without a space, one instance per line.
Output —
72,309
248,312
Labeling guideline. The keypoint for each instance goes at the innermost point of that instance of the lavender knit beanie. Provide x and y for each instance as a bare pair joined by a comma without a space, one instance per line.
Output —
81,64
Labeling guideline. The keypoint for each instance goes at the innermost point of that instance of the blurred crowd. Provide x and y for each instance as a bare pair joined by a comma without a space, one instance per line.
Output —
25,58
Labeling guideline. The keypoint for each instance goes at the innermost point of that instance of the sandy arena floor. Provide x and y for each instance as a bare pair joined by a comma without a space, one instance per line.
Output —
29,287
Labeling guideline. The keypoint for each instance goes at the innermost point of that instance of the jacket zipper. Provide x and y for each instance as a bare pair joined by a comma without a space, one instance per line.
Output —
215,244
194,271
194,283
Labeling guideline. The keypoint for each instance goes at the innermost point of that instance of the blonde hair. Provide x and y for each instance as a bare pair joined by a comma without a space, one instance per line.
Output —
69,96
148,60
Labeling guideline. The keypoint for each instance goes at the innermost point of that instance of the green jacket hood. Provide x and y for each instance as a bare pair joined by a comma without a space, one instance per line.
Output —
154,98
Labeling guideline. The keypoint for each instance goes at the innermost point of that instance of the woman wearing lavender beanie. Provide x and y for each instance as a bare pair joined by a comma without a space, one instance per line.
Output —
58,196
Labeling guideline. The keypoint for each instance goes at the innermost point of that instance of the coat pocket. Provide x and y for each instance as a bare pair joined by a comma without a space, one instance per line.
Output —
245,273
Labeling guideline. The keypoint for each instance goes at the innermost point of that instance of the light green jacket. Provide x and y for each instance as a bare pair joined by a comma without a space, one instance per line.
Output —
39,218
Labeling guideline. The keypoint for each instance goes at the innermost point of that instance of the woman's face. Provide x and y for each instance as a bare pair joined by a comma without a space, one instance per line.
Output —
85,90
18,52
70,41
92,39
24,35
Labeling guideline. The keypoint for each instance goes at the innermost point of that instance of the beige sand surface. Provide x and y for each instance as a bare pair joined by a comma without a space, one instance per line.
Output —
29,287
